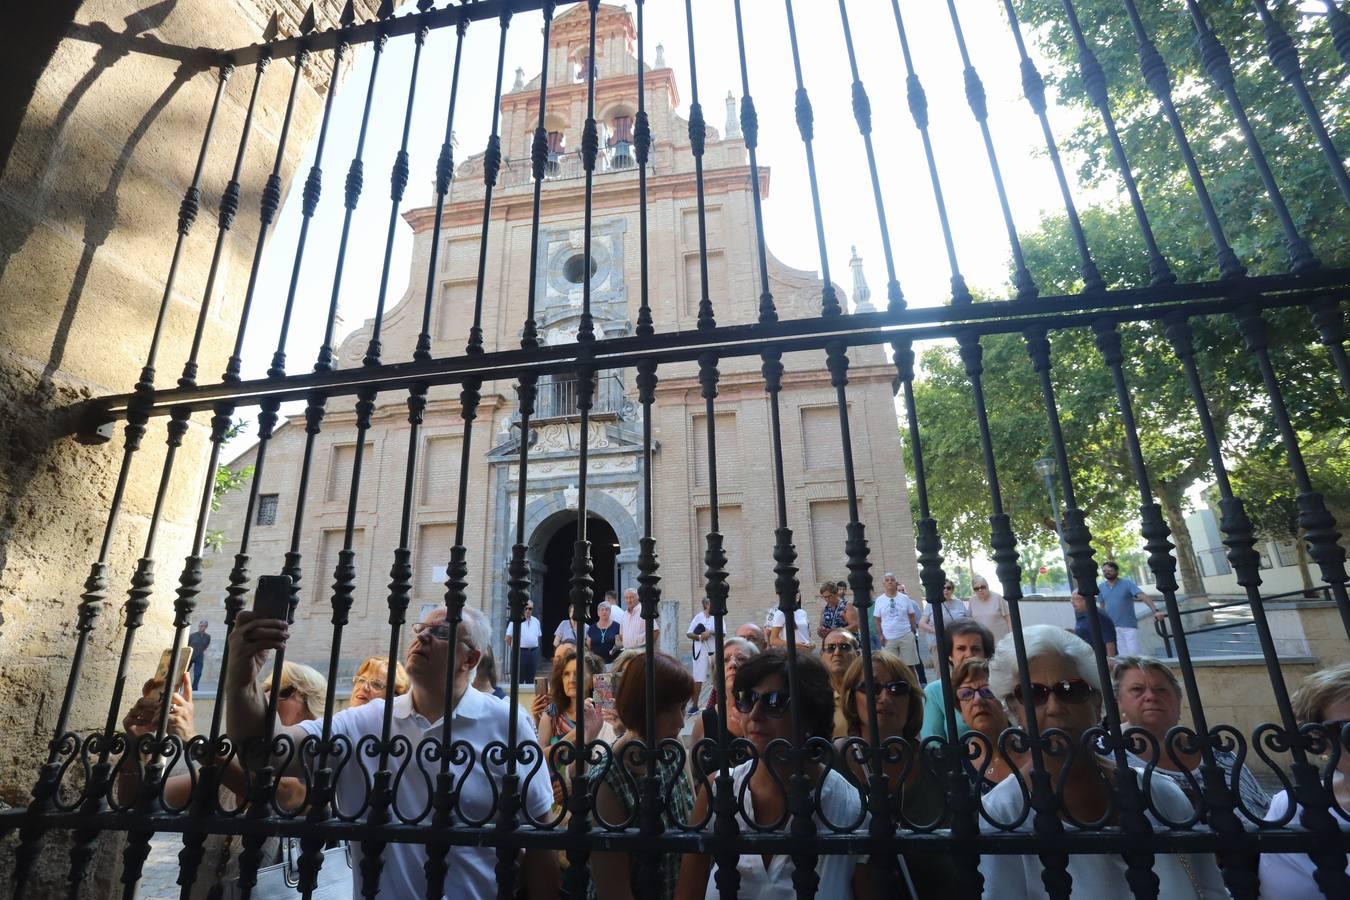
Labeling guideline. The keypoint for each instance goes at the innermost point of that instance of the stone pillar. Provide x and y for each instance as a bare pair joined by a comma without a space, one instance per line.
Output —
109,127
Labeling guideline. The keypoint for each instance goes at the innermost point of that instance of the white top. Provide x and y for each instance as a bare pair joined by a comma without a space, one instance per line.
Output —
565,631
616,613
894,614
841,805
703,641
802,630
633,628
1099,876
479,719
952,610
529,632
1289,876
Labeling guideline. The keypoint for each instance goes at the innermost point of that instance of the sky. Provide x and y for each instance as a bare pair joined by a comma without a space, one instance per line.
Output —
847,203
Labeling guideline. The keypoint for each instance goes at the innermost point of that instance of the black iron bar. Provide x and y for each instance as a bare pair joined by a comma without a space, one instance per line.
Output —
398,182
975,97
1329,319
267,212
529,335
1217,65
1131,803
351,196
310,193
698,134
590,149
960,791
1339,23
918,108
1045,819
750,133
1094,85
919,323
642,144
1033,87
1239,869
1284,57
649,596
1240,539
492,163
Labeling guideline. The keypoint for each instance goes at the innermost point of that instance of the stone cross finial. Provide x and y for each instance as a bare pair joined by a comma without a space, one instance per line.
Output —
660,57
733,120
862,294
520,80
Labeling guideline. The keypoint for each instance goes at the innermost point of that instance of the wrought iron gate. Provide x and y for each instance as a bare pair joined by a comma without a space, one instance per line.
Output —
75,790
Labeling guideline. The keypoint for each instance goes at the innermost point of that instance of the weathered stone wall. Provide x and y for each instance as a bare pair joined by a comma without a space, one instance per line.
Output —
105,145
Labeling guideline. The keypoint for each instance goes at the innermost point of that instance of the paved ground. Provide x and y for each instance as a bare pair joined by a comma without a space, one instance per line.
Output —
160,881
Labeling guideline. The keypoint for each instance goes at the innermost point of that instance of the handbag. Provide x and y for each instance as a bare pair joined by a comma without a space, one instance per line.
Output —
281,881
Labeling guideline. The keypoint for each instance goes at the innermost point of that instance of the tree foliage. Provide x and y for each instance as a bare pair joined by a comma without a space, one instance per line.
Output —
1173,445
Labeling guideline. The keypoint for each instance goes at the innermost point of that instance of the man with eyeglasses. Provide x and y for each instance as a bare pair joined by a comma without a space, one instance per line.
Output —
897,619
479,719
530,633
963,639
838,652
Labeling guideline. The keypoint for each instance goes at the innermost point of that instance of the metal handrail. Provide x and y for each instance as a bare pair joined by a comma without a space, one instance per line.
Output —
1161,625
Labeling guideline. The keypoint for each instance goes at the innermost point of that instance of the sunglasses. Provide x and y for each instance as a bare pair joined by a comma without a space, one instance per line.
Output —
838,648
1073,690
966,693
981,587
897,688
775,702
287,692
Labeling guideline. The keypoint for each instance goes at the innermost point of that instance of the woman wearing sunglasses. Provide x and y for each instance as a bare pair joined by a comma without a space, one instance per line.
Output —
983,712
761,697
1067,694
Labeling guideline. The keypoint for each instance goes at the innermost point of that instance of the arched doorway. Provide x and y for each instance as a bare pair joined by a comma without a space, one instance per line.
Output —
554,602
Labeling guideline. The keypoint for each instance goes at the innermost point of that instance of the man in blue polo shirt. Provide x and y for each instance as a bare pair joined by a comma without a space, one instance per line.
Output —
1080,624
1116,596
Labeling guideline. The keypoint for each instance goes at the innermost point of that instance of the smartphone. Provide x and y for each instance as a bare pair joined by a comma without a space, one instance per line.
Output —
540,685
602,690
167,684
272,599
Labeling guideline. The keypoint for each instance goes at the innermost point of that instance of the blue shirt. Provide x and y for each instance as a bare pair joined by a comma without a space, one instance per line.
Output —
1118,601
1080,628
935,713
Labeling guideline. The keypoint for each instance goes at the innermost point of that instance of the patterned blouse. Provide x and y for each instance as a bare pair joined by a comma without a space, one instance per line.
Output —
679,808
832,617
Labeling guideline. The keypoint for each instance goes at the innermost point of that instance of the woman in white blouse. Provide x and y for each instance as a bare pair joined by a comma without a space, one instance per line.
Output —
1323,697
761,697
1067,695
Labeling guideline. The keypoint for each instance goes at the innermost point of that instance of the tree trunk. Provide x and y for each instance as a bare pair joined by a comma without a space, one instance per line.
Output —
1304,571
1188,566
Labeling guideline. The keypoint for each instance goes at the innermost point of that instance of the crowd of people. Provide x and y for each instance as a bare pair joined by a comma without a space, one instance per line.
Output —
836,698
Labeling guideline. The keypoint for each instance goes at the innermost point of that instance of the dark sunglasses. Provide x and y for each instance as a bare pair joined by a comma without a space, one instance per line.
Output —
897,688
1073,690
841,647
966,693
775,702
287,692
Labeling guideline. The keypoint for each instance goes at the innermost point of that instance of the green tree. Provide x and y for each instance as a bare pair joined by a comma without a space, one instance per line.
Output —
226,481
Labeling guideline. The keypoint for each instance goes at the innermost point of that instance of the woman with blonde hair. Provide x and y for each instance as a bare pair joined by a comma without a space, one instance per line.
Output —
371,680
302,693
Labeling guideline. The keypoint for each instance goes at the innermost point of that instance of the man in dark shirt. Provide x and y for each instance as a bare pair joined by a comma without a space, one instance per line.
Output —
199,640
1080,624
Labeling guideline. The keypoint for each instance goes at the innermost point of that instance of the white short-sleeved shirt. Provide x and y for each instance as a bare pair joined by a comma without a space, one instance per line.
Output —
530,632
633,628
841,805
802,625
1289,876
479,719
1097,875
894,614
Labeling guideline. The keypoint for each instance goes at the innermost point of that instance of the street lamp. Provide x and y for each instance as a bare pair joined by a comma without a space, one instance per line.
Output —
1046,468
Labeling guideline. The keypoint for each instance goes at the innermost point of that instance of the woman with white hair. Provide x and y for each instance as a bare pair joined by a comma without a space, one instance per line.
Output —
1067,695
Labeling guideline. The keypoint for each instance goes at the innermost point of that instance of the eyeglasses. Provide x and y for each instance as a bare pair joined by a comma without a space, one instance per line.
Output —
775,702
287,692
440,632
841,647
897,688
980,587
966,693
947,589
371,684
1073,690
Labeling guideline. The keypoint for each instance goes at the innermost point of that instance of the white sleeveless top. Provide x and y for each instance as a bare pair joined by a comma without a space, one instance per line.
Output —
841,804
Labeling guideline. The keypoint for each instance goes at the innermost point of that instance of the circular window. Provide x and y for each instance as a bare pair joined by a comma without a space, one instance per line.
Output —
574,267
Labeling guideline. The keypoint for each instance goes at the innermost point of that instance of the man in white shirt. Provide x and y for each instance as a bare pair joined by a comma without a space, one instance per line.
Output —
801,629
897,621
479,719
530,632
633,628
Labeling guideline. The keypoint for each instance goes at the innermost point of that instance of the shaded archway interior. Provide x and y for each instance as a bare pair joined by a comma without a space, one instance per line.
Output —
553,604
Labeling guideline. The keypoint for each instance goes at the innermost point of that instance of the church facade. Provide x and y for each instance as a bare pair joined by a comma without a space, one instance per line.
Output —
817,508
